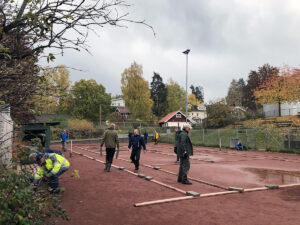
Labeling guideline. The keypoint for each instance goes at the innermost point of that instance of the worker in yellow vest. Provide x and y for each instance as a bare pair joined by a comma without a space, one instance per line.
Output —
51,165
156,137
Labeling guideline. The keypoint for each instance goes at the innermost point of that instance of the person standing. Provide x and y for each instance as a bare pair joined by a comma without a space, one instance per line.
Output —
64,137
136,142
145,137
156,136
110,140
177,133
185,150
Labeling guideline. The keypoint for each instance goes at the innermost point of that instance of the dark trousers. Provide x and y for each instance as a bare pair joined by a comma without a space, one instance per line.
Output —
110,154
184,168
135,157
175,151
53,180
63,143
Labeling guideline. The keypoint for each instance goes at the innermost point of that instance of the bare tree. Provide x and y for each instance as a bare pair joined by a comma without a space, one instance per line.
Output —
27,29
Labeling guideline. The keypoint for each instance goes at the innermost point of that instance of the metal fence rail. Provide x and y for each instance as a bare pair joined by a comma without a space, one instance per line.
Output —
277,139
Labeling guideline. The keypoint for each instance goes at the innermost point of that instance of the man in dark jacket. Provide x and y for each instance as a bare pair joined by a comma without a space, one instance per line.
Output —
184,150
145,137
110,140
136,142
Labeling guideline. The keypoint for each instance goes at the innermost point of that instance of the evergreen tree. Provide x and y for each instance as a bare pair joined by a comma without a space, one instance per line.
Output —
158,95
198,92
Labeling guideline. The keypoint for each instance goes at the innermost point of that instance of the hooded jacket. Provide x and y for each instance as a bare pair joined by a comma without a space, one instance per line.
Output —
184,144
53,163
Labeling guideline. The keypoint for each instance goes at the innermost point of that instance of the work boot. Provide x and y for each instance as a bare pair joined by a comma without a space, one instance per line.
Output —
179,180
108,167
187,182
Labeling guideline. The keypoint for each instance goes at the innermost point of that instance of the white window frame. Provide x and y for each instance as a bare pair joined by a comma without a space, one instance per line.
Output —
178,115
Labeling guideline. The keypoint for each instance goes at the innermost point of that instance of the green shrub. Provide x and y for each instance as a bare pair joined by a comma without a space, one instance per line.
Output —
77,133
19,204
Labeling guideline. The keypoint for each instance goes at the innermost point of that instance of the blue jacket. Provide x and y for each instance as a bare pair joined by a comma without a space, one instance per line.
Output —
137,142
239,147
64,137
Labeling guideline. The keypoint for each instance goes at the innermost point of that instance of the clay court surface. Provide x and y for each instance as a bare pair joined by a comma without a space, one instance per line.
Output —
98,197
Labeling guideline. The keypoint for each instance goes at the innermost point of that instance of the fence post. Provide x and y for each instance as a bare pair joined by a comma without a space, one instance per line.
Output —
71,149
266,138
247,139
220,143
203,136
289,139
255,147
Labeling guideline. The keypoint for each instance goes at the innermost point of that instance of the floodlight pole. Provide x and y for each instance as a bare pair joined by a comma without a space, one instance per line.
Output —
186,52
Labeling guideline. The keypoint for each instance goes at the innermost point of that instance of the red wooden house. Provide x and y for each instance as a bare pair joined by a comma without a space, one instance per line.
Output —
173,119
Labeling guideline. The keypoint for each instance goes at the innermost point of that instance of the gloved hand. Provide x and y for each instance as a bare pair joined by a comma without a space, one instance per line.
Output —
185,155
49,175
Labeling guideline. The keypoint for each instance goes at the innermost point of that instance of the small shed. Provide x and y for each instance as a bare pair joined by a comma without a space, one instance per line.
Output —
173,119
38,130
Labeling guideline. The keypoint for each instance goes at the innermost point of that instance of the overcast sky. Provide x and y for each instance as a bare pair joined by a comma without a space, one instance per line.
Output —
227,38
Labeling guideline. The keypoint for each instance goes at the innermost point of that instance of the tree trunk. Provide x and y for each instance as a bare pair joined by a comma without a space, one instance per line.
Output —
279,108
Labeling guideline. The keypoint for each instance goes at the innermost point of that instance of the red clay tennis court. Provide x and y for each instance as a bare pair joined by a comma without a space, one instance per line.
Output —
235,188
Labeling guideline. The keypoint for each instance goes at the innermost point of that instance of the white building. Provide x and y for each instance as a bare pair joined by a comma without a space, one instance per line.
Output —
287,109
6,135
117,102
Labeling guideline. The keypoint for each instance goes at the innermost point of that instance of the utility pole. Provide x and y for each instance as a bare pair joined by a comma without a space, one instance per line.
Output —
186,52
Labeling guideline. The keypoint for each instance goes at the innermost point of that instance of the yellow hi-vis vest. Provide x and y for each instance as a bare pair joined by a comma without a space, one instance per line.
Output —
156,136
53,163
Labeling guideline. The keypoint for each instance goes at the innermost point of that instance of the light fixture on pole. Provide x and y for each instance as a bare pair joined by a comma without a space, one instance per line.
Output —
186,52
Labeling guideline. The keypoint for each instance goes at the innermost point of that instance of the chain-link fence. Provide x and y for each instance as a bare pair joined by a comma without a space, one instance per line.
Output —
277,139
269,139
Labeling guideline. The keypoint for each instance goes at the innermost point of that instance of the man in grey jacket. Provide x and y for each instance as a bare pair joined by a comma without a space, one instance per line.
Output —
184,151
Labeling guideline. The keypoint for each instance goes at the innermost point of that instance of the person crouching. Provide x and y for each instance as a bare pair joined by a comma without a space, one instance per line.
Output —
51,165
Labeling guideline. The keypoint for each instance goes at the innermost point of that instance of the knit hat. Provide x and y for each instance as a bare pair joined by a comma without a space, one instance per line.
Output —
186,126
36,157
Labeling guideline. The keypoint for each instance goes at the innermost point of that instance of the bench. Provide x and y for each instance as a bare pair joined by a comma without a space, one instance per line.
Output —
284,123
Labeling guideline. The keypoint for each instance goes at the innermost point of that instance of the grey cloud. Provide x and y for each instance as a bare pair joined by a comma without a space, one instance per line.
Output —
228,38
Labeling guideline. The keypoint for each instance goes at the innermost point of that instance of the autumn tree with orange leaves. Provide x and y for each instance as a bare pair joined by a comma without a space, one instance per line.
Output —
280,89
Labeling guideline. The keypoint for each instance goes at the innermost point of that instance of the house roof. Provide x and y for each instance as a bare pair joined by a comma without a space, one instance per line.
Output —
235,108
169,116
122,110
198,108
